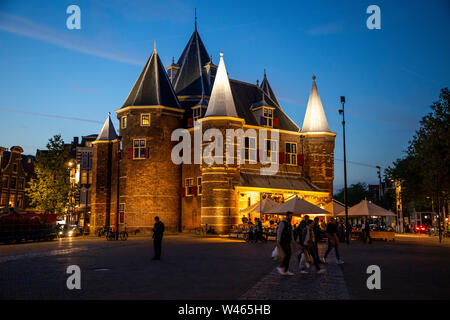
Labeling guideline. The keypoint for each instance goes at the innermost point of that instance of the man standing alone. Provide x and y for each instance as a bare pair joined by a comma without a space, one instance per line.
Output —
284,239
158,230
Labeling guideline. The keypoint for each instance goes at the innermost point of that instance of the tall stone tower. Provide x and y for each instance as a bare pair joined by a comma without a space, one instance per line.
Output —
149,180
104,177
219,197
318,143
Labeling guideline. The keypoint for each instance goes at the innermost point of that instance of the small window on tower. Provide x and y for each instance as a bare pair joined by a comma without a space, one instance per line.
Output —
123,122
145,119
188,183
199,185
139,149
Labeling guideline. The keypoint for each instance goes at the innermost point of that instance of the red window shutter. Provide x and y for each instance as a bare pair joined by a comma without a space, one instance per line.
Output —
121,217
300,159
194,190
182,192
275,122
280,157
190,122
130,153
147,152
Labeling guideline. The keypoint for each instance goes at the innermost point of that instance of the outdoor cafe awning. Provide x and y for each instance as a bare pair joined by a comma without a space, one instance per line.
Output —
366,208
298,206
260,207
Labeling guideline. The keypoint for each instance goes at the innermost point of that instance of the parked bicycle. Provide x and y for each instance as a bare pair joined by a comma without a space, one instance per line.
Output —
111,235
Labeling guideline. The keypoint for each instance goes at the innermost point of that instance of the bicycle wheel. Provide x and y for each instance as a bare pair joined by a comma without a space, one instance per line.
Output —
123,235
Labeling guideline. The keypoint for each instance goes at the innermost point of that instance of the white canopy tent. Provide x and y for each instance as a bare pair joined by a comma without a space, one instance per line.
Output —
297,206
366,208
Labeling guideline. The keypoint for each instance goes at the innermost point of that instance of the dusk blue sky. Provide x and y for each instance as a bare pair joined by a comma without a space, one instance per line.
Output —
389,76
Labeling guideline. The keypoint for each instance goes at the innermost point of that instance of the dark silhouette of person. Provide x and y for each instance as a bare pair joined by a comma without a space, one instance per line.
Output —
158,230
284,239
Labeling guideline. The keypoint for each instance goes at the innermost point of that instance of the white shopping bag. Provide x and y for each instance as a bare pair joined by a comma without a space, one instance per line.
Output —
275,253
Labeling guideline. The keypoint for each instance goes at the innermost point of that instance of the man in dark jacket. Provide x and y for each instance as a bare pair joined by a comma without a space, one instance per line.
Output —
158,230
284,239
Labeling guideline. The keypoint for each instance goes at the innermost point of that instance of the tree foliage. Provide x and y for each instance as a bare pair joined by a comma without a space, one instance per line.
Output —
50,191
355,194
424,171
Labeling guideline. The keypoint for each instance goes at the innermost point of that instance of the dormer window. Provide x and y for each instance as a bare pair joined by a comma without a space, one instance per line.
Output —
267,117
145,120
198,112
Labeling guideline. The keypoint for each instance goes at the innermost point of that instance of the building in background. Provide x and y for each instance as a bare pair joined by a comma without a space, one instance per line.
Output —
187,196
16,170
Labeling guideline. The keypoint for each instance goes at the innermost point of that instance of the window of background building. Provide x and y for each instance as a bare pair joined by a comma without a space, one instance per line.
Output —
84,177
15,167
291,153
20,200
13,183
188,182
84,161
4,199
121,207
123,122
12,200
145,119
20,183
199,185
138,149
5,182
250,149
271,151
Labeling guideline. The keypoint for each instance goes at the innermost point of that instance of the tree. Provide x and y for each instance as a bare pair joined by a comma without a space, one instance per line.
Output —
425,170
50,191
355,193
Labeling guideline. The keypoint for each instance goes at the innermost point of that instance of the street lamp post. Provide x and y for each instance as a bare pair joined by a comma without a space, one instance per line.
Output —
347,230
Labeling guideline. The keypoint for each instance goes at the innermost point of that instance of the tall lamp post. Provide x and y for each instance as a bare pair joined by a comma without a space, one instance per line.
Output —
347,230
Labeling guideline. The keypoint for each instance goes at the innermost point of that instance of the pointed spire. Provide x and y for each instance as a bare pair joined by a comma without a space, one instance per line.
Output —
195,13
221,102
154,45
265,86
190,79
153,87
315,119
108,133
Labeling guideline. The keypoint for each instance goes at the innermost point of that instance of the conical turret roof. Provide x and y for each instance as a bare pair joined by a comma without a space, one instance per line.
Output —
315,119
108,133
265,86
190,80
221,102
153,87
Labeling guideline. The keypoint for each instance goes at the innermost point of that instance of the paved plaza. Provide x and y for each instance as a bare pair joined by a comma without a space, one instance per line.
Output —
218,268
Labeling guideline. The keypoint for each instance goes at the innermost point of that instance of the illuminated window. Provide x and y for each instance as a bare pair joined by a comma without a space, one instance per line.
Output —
271,151
121,207
188,182
145,119
250,149
199,185
267,117
138,149
291,153
83,177
123,122
20,183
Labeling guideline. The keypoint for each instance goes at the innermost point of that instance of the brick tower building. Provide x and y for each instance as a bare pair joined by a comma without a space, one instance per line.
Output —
196,95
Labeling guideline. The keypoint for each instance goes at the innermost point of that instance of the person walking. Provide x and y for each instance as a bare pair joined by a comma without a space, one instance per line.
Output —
332,241
317,230
158,230
284,239
308,250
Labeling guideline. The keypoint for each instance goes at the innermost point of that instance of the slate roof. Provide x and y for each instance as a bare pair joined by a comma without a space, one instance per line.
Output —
246,94
190,79
108,133
265,86
153,86
276,182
